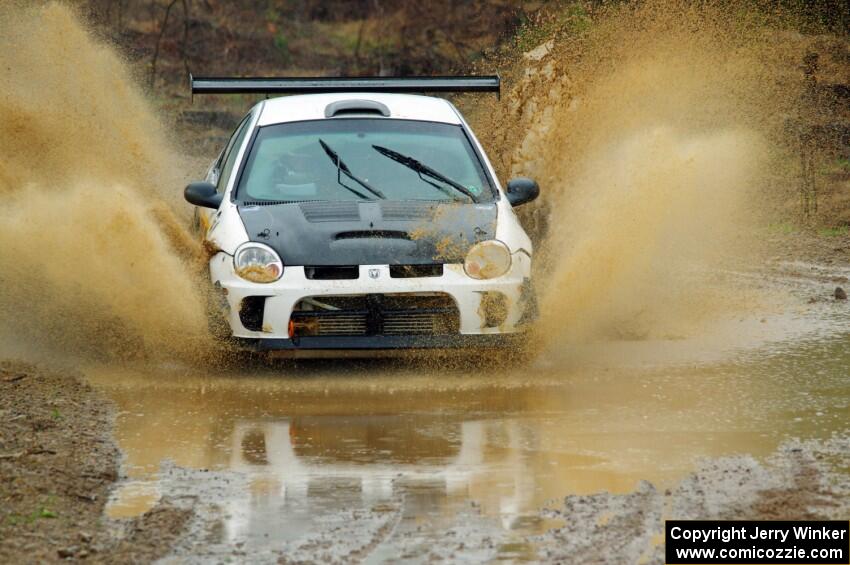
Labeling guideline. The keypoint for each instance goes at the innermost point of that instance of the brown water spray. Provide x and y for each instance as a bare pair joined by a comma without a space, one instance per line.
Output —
89,182
654,130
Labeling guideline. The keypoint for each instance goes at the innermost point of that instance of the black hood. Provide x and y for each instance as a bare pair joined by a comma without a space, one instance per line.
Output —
370,233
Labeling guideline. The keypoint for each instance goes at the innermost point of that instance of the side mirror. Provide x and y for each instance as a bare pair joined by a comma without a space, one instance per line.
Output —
522,190
202,194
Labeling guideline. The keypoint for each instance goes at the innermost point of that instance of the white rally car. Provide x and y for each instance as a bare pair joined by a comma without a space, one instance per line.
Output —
357,217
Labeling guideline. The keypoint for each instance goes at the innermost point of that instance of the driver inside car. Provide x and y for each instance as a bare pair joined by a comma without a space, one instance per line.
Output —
293,177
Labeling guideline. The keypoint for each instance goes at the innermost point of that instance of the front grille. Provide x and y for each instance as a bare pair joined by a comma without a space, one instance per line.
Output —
341,324
376,314
415,271
341,272
418,323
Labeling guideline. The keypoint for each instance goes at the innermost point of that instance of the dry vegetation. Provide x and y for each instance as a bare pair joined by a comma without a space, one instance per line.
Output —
274,37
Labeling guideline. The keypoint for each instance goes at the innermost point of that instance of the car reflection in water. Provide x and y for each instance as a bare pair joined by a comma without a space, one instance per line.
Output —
305,466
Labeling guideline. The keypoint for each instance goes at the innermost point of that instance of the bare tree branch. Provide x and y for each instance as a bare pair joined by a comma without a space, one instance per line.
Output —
158,41
185,35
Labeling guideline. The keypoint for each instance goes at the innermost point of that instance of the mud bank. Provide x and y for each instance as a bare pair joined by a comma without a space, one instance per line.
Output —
58,463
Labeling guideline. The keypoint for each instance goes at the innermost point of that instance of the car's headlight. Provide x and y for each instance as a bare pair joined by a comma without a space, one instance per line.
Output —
487,260
256,262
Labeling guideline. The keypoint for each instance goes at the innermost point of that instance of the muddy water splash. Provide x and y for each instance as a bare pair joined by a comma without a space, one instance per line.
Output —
89,261
652,130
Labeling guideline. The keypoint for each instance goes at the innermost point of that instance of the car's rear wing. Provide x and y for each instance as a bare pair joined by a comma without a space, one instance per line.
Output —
313,85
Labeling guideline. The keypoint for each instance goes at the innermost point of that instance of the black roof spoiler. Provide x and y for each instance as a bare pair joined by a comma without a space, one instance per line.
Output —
313,85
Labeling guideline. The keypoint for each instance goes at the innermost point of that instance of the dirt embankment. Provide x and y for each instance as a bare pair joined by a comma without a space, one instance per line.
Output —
57,465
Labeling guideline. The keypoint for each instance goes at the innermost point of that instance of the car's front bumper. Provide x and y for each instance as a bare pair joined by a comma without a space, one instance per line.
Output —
363,346
281,297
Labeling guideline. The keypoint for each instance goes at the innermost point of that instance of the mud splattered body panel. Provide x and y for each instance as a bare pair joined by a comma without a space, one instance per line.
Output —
367,233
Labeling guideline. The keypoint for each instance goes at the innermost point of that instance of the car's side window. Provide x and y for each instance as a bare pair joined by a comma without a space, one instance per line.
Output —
225,164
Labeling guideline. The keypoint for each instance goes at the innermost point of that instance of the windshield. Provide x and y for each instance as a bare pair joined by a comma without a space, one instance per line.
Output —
363,159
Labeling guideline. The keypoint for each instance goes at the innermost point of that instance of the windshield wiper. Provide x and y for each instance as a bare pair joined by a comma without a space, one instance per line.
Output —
342,169
423,169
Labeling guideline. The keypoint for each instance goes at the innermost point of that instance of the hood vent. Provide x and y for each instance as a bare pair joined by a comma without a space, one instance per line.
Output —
330,211
373,234
407,211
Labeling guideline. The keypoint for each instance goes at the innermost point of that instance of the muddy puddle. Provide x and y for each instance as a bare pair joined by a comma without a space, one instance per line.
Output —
382,460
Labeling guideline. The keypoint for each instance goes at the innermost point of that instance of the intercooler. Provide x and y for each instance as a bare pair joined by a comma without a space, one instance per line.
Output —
375,314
